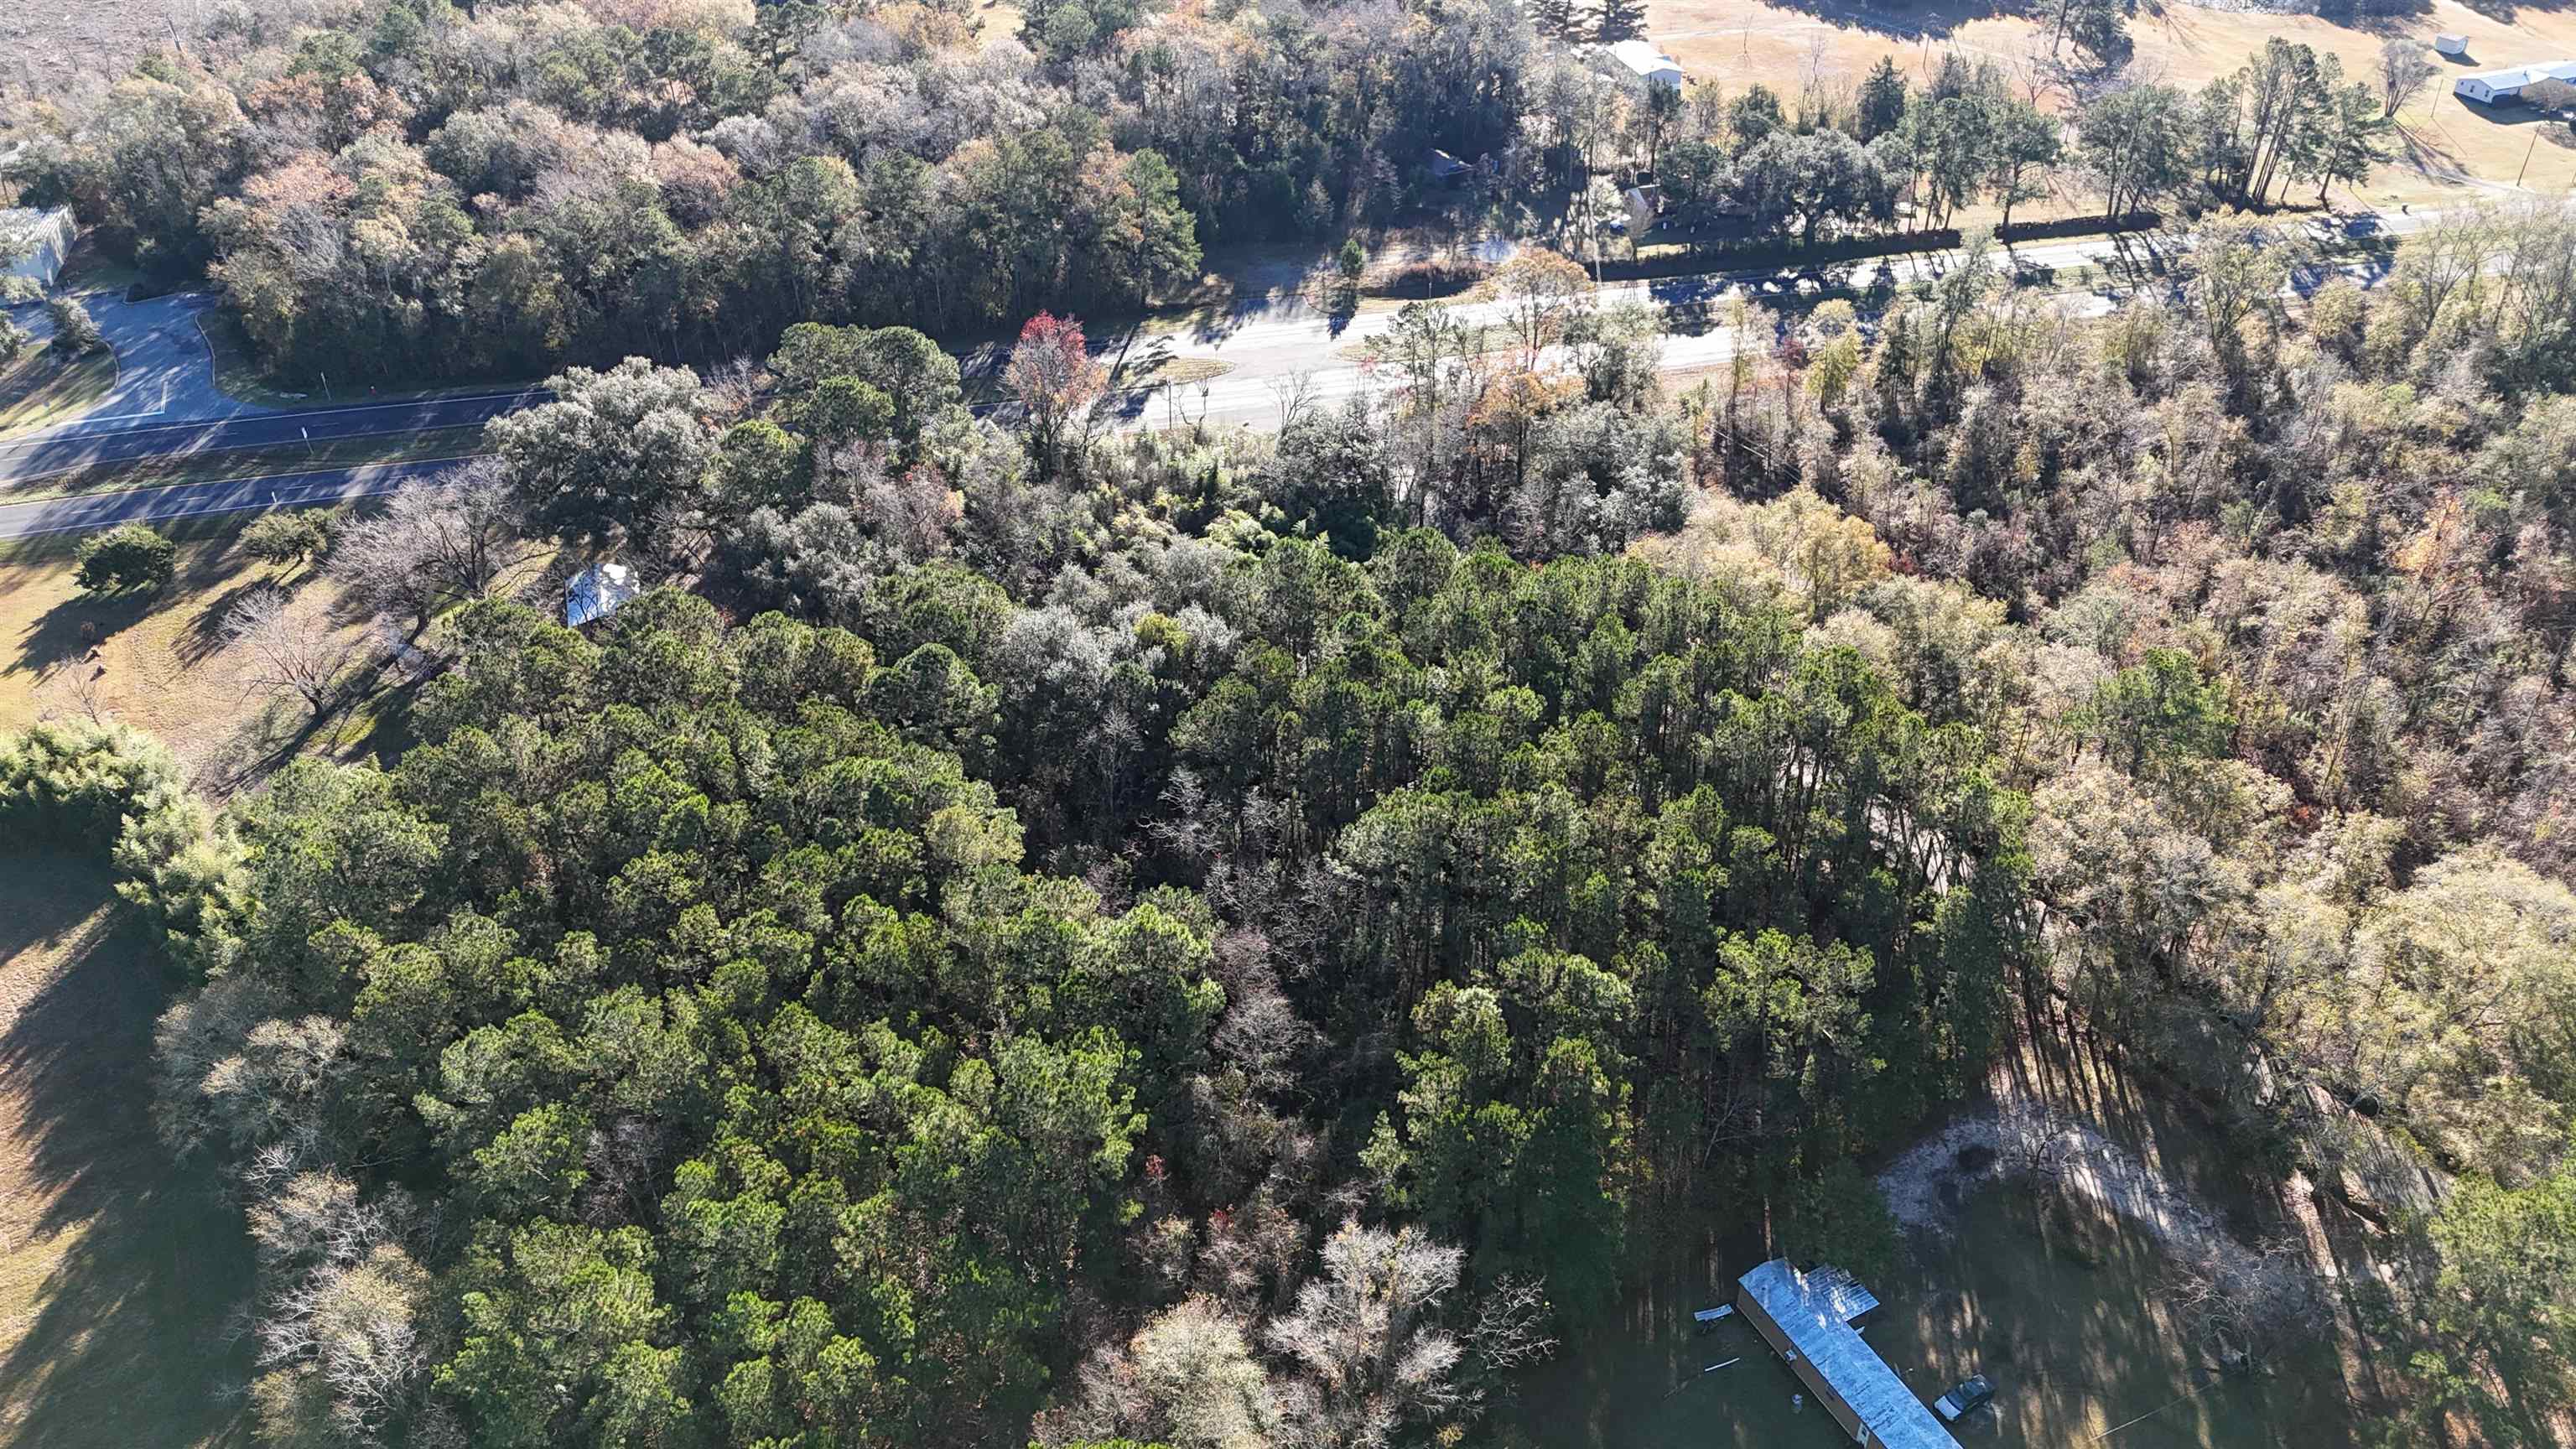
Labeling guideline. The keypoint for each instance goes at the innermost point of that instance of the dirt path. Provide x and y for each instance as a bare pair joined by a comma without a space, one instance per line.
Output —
2021,1132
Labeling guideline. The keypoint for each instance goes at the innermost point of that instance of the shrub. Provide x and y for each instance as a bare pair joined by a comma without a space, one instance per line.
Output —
74,329
128,556
287,537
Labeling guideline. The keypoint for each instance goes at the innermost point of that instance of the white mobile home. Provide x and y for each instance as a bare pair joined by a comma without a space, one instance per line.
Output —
1648,64
2502,87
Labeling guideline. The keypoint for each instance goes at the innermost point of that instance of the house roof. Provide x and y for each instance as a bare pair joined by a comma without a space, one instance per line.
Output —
598,591
1642,57
1815,1311
2514,78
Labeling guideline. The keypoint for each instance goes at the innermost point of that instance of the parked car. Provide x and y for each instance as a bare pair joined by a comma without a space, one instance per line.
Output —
1972,1394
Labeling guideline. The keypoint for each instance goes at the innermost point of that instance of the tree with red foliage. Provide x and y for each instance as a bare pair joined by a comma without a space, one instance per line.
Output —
1055,379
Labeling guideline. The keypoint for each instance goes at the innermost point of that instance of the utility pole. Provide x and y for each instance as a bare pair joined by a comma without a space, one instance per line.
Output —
2526,154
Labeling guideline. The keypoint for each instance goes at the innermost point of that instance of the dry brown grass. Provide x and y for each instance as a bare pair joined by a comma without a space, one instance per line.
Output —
1740,42
159,661
45,387
117,1268
47,46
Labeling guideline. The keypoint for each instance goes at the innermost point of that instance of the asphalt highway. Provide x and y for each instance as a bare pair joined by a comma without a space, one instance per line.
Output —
189,500
61,450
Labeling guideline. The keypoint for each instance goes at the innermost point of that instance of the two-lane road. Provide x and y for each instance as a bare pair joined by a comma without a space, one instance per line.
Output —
188,500
78,445
1269,351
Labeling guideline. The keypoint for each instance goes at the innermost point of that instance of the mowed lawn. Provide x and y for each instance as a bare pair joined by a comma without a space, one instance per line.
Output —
2058,1304
2441,140
118,1269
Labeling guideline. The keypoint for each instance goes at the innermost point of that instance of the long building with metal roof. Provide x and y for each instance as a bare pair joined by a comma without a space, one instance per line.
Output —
1807,1317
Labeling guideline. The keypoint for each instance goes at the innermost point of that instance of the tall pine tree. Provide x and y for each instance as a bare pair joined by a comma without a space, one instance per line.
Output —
1882,101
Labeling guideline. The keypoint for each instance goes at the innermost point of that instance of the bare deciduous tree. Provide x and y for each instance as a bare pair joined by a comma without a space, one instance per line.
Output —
2246,1307
2403,70
446,539
337,1338
1365,1333
296,651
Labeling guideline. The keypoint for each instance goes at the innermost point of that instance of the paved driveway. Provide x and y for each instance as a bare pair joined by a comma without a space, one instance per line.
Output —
164,371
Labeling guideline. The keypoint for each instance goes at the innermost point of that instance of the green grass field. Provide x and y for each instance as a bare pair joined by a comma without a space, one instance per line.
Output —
117,1268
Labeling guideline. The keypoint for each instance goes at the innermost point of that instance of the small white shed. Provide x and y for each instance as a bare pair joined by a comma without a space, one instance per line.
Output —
1648,63
599,591
2451,44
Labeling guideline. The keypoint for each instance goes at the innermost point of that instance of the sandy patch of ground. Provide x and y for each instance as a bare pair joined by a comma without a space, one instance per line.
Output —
2019,1134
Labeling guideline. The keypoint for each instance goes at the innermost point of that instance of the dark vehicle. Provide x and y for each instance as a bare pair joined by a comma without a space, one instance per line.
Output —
1972,1394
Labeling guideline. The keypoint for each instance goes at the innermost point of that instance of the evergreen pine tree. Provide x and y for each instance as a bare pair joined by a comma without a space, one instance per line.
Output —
1882,101
1621,19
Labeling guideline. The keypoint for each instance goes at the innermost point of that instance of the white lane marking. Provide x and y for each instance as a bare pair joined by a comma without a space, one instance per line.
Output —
270,502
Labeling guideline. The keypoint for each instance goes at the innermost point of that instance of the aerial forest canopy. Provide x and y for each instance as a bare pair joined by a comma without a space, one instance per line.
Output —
417,186
689,1039
1222,939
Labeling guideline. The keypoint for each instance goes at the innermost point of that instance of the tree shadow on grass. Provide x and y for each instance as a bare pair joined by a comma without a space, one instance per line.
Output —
122,1343
69,630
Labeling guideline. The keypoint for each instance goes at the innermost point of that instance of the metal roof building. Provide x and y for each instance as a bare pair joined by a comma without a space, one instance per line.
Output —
1807,1318
33,243
598,591
2492,86
1648,63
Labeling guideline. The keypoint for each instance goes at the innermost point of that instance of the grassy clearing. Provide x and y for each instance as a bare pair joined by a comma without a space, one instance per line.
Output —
2053,1300
158,661
1738,43
425,446
2061,1305
117,1267
41,387
2056,1300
